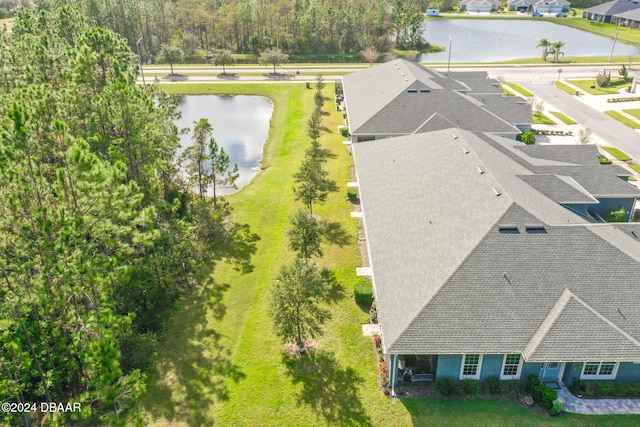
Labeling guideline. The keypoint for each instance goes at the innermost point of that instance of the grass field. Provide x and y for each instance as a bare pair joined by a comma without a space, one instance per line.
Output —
563,117
623,119
620,155
636,168
565,87
614,89
542,119
522,91
220,362
635,112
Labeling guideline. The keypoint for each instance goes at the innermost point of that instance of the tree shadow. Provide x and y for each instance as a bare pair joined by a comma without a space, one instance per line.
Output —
240,247
337,292
331,391
193,367
335,234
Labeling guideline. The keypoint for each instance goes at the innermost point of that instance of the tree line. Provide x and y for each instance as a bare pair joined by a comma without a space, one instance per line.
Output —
244,26
103,227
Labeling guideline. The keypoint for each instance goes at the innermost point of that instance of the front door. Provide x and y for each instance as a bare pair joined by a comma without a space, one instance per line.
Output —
551,371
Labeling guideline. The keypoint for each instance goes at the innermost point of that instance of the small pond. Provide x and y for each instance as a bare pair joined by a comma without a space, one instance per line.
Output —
487,40
240,123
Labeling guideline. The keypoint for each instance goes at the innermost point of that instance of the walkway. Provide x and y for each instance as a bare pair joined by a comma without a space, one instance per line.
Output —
571,403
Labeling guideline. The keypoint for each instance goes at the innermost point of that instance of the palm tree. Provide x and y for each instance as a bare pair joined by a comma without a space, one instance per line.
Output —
555,49
544,44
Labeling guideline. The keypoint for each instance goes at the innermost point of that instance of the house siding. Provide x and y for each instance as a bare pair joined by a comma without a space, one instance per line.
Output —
530,368
449,365
607,204
627,372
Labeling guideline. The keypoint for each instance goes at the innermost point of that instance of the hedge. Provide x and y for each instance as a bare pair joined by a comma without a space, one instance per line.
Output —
363,292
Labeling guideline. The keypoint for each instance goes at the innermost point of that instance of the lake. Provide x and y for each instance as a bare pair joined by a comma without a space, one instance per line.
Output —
240,123
488,40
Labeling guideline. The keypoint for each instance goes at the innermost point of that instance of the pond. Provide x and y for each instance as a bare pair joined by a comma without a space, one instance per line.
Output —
240,123
487,40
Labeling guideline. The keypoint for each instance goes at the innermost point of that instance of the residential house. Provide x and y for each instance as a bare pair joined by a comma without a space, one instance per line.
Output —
402,98
551,6
490,257
520,5
479,6
605,12
629,19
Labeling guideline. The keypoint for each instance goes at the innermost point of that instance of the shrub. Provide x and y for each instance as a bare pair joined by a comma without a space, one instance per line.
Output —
373,313
527,137
493,385
470,388
377,340
383,368
531,383
617,215
604,160
352,194
446,387
577,386
556,407
362,292
345,132
548,396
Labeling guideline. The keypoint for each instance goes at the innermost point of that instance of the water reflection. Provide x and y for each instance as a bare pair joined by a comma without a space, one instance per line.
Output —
487,40
240,124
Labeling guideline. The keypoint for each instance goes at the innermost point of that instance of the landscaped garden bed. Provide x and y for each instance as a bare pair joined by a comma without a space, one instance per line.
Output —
604,389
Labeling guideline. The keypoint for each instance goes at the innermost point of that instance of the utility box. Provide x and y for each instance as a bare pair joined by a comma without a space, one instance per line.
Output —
433,12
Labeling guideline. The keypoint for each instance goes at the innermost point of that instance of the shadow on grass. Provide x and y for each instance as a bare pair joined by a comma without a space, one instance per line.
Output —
331,391
241,247
337,290
335,234
193,374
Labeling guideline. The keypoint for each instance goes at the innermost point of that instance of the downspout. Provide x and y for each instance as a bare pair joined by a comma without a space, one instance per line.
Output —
393,373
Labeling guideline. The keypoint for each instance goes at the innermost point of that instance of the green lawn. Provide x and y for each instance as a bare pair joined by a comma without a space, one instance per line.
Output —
522,91
565,87
614,89
635,168
635,112
623,119
617,153
625,34
563,117
542,119
220,362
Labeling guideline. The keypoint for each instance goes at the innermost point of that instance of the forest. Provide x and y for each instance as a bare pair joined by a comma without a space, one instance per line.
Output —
297,27
101,230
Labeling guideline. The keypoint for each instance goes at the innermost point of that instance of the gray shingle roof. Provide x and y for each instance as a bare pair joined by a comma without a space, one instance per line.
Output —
379,102
578,155
613,7
559,189
447,278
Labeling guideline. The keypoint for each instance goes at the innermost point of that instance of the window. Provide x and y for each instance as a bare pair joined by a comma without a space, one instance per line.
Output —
471,364
599,370
511,367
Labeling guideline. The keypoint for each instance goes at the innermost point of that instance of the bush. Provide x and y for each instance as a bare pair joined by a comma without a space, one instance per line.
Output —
617,215
531,384
493,385
446,387
527,137
352,194
363,292
556,407
548,396
577,386
470,388
604,160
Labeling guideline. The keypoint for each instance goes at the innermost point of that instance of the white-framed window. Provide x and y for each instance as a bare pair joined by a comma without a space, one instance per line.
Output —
511,367
471,365
599,370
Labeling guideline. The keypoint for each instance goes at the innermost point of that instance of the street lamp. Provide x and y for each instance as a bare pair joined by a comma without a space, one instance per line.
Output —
140,60
614,41
449,60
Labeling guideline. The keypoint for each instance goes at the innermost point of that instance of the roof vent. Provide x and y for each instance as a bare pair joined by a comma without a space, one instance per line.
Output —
481,171
412,90
507,227
465,151
497,192
425,90
534,227
454,136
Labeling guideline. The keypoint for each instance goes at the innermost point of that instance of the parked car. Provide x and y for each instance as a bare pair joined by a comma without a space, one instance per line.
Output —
561,15
536,14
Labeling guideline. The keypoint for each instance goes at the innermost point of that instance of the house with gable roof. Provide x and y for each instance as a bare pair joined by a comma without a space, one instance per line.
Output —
605,12
494,259
401,98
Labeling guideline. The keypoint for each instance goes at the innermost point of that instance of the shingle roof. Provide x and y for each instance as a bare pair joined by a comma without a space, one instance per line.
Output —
398,97
633,15
448,279
572,154
613,7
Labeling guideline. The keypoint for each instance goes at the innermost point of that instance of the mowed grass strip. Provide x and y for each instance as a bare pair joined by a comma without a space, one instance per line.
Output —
522,91
540,118
563,117
635,112
565,87
618,154
613,89
623,119
220,362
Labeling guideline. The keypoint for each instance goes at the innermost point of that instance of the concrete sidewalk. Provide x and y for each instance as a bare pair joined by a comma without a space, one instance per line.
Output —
576,405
